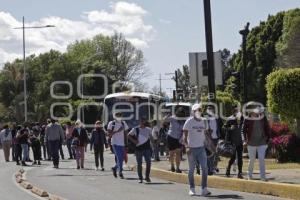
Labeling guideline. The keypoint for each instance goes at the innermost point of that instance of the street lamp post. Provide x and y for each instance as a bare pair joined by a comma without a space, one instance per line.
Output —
24,61
209,51
244,32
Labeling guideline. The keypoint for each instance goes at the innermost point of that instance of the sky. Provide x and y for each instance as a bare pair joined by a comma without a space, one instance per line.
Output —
166,30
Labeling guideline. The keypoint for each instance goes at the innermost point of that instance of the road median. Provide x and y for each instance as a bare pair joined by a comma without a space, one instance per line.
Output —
250,186
20,178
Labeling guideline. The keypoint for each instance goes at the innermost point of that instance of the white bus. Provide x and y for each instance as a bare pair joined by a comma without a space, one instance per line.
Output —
133,105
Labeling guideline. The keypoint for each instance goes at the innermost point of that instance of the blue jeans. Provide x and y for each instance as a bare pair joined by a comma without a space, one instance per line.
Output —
54,148
70,149
25,150
119,153
139,159
197,155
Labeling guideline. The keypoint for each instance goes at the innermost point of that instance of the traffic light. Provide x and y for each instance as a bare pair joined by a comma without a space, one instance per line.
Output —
204,68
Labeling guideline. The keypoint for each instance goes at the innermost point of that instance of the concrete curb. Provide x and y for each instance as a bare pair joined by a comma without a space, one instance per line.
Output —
26,185
39,192
251,186
21,180
54,197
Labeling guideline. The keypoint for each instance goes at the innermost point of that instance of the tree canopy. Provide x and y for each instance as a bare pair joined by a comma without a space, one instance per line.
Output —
273,43
283,88
112,56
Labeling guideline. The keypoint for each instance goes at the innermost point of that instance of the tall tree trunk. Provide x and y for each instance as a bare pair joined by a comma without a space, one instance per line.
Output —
298,127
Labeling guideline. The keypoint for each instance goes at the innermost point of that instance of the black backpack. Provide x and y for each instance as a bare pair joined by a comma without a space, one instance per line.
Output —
131,145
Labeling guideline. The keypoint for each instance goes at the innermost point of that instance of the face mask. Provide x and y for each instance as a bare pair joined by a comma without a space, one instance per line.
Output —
198,115
118,119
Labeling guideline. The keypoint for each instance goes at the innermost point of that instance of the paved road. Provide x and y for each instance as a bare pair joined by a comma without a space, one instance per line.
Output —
89,184
8,188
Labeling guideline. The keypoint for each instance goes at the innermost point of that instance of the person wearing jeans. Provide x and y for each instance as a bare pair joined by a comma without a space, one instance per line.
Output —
22,137
117,131
69,138
194,138
156,141
140,136
53,136
256,131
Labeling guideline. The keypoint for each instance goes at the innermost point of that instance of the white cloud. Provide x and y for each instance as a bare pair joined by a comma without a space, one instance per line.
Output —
165,21
127,18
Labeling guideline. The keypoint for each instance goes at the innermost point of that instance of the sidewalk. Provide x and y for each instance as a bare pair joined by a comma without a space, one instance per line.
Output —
280,173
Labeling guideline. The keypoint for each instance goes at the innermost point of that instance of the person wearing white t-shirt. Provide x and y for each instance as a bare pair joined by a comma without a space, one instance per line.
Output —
140,136
155,137
117,132
194,139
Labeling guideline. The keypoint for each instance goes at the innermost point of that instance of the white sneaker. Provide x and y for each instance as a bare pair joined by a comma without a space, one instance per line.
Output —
205,192
192,192
96,168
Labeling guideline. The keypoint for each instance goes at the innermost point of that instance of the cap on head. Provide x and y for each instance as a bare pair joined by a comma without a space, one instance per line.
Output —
196,106
78,122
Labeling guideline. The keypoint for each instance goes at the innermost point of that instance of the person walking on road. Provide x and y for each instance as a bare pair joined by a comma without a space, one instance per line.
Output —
98,141
36,145
140,136
156,141
54,135
69,138
22,137
47,143
174,137
256,131
234,136
194,139
80,135
6,141
215,124
117,131
18,148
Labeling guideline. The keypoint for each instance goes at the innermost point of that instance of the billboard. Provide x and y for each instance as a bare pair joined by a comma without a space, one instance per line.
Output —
198,63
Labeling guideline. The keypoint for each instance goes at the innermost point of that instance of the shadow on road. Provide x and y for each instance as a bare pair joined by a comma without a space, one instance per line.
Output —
159,183
225,196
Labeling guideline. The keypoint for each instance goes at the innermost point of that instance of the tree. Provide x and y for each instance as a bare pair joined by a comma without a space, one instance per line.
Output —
261,56
183,78
288,48
225,101
112,56
283,88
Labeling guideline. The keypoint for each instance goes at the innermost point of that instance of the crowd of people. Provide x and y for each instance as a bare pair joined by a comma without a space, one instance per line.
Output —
175,136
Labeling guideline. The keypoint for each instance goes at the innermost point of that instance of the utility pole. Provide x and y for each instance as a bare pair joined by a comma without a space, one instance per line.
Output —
24,71
23,27
244,32
198,97
209,51
159,84
176,80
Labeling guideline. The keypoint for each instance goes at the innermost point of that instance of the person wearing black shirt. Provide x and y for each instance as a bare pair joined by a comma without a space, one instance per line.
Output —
98,141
